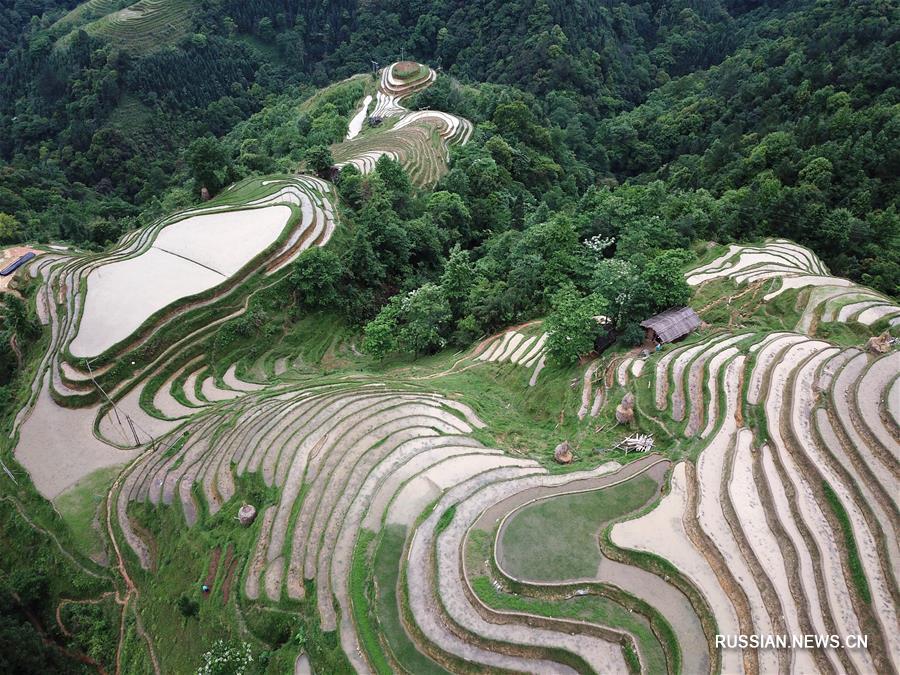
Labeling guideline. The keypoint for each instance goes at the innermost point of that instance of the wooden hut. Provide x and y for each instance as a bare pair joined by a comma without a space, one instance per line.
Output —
671,325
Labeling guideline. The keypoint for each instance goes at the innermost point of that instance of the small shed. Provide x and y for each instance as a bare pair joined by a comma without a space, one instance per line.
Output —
671,325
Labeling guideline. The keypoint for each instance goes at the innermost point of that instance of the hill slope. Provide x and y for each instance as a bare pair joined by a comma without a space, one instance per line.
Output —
406,516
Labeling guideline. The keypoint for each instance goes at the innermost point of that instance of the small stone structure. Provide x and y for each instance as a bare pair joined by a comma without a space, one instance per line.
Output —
563,453
247,514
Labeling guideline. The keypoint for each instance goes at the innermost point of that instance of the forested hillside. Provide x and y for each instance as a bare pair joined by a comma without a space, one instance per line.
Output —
758,118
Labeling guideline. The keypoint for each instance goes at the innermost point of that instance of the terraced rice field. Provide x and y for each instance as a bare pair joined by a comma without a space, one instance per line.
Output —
419,140
186,258
519,348
183,276
792,527
388,514
789,266
355,462
141,27
778,517
88,11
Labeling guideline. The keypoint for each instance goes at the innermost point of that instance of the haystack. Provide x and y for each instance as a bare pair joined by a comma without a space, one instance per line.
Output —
247,514
563,453
880,344
625,410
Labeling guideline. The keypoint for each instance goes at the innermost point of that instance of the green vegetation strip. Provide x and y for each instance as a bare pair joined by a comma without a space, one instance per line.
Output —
365,622
386,572
856,567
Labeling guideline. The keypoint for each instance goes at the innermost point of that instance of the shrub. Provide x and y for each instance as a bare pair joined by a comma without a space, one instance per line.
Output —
187,606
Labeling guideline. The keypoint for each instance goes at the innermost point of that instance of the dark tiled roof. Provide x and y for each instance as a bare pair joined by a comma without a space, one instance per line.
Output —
673,323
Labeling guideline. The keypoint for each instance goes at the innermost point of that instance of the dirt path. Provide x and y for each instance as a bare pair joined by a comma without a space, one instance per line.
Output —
586,387
132,593
213,567
81,657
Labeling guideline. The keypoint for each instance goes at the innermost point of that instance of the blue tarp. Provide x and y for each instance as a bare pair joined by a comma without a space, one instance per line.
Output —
16,264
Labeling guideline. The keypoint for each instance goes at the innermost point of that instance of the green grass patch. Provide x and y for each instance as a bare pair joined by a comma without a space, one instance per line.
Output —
847,334
131,116
177,445
603,608
386,573
408,70
524,421
856,566
556,539
360,595
591,608
79,507
446,518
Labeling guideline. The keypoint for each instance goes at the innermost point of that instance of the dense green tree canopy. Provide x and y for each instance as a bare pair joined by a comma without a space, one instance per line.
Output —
572,325
606,135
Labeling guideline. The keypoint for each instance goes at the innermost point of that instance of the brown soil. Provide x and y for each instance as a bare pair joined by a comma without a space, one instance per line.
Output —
148,539
229,579
752,288
739,409
609,376
229,556
213,567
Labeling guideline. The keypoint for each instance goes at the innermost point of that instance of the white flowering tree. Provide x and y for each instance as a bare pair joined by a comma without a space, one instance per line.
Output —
227,658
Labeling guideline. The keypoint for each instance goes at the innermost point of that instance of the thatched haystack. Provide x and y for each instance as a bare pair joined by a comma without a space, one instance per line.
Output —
625,410
563,453
247,514
880,344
